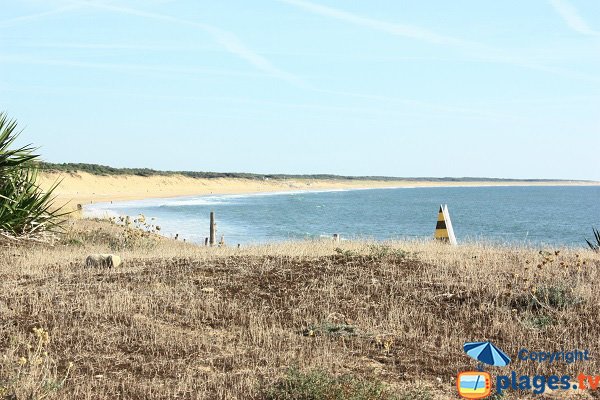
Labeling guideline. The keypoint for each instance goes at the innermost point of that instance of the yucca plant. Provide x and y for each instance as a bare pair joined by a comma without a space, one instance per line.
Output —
12,158
595,246
25,209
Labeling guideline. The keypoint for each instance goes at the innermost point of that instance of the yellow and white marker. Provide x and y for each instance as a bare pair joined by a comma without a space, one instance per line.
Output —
443,229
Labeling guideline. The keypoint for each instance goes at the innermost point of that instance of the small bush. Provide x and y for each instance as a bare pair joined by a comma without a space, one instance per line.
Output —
556,297
377,251
382,251
136,233
548,297
540,322
73,242
346,253
33,375
320,385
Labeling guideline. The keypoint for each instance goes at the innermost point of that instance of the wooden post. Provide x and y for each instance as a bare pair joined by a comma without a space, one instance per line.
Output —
206,241
213,229
79,211
222,242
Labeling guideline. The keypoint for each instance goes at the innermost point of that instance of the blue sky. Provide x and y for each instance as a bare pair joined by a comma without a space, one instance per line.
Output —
404,88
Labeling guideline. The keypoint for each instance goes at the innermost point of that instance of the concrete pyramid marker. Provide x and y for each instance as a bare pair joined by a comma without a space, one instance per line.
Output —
443,229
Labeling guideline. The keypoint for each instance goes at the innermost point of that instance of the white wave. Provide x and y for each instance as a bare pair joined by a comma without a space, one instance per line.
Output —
98,213
191,202
208,200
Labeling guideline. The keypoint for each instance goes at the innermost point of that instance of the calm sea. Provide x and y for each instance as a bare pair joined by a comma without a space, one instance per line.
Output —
561,215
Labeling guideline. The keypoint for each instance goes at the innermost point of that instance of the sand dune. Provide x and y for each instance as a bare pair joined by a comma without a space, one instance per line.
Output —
85,188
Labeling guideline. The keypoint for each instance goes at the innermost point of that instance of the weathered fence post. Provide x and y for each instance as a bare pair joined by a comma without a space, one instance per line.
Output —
213,229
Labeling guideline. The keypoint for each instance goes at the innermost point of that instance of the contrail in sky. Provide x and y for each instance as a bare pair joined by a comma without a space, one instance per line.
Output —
572,17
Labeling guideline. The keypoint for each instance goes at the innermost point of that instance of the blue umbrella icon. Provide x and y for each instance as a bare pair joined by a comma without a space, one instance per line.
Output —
487,353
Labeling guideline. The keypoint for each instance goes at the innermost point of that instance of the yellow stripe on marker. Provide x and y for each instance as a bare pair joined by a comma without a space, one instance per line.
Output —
443,228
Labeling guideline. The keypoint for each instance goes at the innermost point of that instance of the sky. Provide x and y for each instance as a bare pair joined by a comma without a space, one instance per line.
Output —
504,89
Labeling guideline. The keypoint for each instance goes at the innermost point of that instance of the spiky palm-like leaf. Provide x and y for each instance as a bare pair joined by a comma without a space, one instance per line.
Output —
28,210
25,209
12,158
595,246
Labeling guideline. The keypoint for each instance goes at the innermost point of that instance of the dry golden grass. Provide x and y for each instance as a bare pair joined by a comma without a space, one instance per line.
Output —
180,321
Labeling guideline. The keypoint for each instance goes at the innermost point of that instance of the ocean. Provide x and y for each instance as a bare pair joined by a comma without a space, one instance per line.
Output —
523,215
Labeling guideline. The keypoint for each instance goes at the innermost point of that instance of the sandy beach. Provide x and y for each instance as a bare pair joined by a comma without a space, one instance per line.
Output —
84,188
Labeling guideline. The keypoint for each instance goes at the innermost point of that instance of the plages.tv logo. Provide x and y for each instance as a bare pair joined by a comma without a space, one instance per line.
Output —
478,384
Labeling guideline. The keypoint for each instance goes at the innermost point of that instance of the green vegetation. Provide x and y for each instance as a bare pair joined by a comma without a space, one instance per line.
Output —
105,170
540,322
547,298
346,253
25,210
377,251
35,374
319,385
595,246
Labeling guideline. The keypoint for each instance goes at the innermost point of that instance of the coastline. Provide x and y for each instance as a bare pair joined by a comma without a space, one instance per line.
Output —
84,188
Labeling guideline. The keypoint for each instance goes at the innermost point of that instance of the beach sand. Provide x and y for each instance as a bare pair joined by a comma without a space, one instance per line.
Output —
84,188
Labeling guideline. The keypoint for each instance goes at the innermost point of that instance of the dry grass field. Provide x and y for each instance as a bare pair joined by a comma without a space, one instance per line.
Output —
350,320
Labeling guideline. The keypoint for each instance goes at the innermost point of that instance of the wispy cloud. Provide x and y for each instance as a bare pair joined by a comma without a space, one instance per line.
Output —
136,68
118,46
572,17
225,38
421,105
387,108
33,17
404,30
474,50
